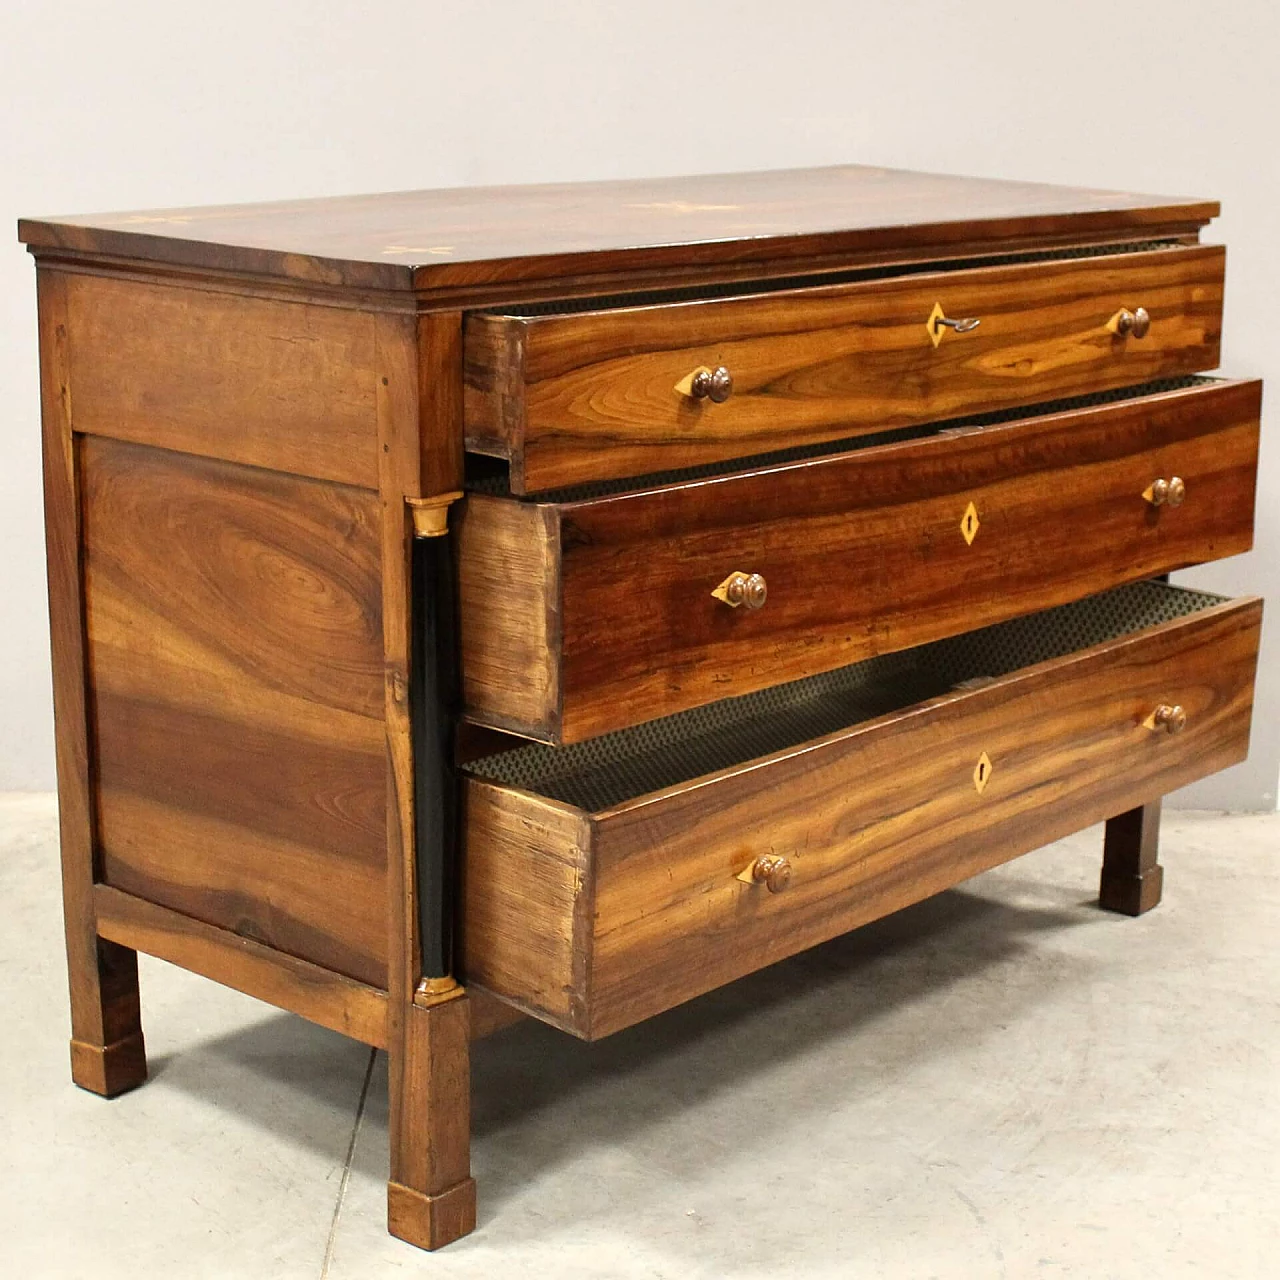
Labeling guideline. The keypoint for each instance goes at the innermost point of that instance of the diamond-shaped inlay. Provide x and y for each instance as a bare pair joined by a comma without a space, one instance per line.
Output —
982,773
935,329
969,523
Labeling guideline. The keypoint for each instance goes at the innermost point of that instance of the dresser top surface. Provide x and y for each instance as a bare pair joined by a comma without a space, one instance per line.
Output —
490,236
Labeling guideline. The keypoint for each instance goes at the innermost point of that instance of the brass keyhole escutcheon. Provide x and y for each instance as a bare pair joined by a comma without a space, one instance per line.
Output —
969,523
982,773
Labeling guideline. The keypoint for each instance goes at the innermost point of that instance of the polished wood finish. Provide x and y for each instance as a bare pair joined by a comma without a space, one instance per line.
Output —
235,668
870,819
583,617
248,413
1132,877
596,395
326,998
108,1053
526,903
508,235
272,384
431,1196
508,592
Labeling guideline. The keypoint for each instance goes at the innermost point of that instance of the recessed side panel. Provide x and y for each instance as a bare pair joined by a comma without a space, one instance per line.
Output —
233,624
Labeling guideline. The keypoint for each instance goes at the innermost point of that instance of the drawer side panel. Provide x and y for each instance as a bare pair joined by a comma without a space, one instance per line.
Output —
525,930
509,615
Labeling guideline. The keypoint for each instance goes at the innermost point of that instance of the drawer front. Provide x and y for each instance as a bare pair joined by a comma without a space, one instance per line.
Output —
595,921
581,618
604,394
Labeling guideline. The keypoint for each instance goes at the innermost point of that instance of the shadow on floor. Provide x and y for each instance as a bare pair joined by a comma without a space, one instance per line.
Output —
639,1077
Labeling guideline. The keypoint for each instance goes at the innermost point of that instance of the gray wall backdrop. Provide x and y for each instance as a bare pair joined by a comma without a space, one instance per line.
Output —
146,104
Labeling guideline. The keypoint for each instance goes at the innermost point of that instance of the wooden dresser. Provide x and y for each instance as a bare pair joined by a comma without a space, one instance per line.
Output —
564,600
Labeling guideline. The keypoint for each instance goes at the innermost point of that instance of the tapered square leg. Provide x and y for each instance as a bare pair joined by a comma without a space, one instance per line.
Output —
108,1054
1132,878
431,1197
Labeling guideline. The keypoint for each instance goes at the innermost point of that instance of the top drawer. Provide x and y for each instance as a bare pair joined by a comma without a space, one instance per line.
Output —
607,393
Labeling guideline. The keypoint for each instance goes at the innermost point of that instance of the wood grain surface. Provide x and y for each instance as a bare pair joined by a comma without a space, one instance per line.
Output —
871,818
862,552
325,998
509,614
1132,879
593,395
524,894
108,1053
283,385
432,239
431,1196
233,619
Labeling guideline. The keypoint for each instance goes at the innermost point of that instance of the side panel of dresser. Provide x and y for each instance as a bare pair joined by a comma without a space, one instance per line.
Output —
222,551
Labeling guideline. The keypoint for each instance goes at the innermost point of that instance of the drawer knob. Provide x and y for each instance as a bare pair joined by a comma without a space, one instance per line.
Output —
749,589
1166,493
712,384
1173,718
1136,323
773,873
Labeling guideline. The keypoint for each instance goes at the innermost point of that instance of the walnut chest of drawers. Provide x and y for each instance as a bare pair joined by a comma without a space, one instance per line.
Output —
560,601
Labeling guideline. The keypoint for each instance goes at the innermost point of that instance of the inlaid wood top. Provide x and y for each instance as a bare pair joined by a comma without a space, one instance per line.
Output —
488,235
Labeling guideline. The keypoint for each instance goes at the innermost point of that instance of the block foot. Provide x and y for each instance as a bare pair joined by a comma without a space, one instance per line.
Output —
1132,879
431,1222
109,1070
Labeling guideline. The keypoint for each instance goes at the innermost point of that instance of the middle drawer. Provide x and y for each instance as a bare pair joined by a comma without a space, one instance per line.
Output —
588,614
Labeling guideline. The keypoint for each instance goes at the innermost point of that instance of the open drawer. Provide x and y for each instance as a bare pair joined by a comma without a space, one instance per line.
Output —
608,881
647,385
590,612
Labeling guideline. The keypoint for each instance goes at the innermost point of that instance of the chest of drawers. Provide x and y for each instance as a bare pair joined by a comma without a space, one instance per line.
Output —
560,601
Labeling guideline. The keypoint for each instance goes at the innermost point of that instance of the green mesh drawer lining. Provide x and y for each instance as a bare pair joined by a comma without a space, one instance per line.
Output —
616,767
744,288
489,475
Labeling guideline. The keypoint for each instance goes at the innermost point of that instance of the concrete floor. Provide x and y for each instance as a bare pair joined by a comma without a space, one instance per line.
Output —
1001,1082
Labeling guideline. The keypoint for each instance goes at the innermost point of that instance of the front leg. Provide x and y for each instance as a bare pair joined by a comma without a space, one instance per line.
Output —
1132,878
431,1198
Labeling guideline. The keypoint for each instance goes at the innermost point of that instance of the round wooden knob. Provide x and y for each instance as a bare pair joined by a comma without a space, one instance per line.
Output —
773,873
1169,492
714,384
1173,718
1137,323
747,589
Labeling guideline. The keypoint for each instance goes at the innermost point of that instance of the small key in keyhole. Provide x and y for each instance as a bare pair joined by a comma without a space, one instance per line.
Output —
967,325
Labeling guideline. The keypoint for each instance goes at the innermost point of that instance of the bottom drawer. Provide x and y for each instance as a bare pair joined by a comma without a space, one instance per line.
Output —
607,881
